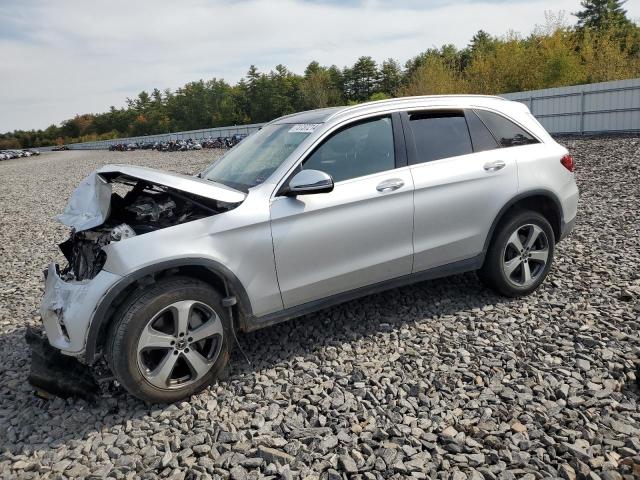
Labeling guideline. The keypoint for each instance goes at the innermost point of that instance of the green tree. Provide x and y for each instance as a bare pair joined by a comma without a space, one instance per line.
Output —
390,77
361,80
434,77
317,88
481,43
602,14
604,46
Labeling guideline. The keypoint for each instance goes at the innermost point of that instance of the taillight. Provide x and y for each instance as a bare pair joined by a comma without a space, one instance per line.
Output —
567,162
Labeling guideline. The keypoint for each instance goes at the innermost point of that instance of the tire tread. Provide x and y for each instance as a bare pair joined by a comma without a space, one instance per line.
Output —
138,301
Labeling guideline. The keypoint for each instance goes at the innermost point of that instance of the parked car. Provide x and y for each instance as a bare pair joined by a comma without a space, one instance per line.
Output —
10,154
314,209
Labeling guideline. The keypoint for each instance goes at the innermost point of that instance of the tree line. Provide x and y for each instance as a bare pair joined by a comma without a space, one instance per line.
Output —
603,45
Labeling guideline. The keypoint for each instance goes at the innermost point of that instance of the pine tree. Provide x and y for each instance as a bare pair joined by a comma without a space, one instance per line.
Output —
601,14
390,77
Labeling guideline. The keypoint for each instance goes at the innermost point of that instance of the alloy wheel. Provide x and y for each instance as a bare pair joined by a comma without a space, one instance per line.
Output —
525,255
180,344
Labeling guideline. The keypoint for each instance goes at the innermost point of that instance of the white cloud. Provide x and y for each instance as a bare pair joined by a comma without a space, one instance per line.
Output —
59,59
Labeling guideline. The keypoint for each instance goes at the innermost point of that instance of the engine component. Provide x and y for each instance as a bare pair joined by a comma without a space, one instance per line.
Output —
122,232
98,216
147,209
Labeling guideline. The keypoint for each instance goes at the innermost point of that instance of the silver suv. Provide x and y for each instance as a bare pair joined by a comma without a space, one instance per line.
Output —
314,209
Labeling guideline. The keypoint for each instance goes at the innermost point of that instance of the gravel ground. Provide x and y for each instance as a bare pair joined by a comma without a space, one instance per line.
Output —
442,379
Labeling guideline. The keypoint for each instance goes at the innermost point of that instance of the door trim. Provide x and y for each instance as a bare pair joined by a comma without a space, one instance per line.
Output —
470,264
399,147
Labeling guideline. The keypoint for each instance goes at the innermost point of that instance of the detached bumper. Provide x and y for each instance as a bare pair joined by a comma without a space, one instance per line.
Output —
68,307
55,374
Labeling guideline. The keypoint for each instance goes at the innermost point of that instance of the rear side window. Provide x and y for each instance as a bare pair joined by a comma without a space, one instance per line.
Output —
505,131
439,134
481,137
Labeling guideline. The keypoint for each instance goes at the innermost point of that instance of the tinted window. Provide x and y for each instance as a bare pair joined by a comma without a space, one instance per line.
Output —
506,132
439,135
355,151
481,137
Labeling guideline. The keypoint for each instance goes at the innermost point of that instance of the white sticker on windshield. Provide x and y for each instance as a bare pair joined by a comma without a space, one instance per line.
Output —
304,127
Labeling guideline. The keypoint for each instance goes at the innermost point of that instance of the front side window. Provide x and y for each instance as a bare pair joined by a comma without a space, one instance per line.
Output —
355,151
505,131
439,134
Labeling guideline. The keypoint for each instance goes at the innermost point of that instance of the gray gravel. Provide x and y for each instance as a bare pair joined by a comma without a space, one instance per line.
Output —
443,379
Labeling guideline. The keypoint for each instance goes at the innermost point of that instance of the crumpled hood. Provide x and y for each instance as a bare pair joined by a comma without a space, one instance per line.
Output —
186,183
90,203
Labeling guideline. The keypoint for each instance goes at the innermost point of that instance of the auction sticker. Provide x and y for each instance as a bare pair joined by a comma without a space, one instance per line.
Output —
304,127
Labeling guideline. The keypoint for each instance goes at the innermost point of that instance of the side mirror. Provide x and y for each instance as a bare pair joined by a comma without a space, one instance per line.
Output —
307,182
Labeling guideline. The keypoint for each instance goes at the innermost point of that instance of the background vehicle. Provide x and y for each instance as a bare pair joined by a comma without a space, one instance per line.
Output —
10,154
180,145
314,209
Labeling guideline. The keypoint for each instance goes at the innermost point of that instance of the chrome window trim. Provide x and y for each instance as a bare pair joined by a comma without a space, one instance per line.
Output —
324,134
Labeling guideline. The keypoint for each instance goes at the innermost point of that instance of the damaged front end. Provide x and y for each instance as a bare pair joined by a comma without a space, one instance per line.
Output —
99,216
55,374
113,204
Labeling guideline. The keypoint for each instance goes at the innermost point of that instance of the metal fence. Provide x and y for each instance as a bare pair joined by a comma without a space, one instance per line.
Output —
580,109
586,109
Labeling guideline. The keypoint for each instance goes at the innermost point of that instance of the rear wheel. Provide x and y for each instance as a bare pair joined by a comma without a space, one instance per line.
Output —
520,254
170,341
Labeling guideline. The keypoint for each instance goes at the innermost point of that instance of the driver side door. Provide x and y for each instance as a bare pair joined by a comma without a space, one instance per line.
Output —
358,234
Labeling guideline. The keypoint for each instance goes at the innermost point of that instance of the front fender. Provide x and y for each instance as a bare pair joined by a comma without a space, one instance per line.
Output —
106,305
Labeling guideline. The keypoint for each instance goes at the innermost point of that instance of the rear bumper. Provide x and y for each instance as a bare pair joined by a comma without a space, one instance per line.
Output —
568,197
567,228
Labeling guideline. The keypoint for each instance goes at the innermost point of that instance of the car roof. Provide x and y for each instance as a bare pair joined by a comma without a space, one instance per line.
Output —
319,115
323,115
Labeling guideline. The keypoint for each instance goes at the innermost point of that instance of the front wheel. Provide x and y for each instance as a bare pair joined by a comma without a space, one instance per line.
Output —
520,255
170,340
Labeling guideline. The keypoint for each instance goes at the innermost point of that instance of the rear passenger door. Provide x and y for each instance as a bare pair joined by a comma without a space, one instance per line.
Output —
462,179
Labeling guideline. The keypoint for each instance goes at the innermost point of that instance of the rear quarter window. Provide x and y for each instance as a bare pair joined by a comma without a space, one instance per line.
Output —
507,133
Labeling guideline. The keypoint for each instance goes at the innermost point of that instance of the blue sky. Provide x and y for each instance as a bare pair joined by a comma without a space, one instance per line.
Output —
63,58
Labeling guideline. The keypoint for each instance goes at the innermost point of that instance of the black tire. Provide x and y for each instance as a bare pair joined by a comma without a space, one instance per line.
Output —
134,316
493,272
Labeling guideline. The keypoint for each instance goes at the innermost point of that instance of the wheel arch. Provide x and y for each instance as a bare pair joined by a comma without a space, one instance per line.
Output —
544,202
209,271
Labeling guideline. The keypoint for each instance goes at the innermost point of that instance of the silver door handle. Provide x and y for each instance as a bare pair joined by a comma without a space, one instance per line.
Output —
390,185
494,166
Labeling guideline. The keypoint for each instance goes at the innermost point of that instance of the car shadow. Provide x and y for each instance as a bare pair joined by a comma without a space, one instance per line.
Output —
363,317
28,423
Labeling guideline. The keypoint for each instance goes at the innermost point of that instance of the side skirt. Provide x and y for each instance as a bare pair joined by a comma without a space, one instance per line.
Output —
462,266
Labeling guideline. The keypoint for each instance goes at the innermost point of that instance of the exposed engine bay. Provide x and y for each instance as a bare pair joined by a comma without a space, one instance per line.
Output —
144,208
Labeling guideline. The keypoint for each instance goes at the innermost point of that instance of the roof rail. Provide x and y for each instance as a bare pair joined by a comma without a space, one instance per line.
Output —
408,99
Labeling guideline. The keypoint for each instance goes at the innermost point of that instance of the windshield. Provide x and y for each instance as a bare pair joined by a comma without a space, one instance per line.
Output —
254,159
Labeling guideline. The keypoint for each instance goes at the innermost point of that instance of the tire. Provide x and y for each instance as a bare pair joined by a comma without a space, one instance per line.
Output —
139,340
510,256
